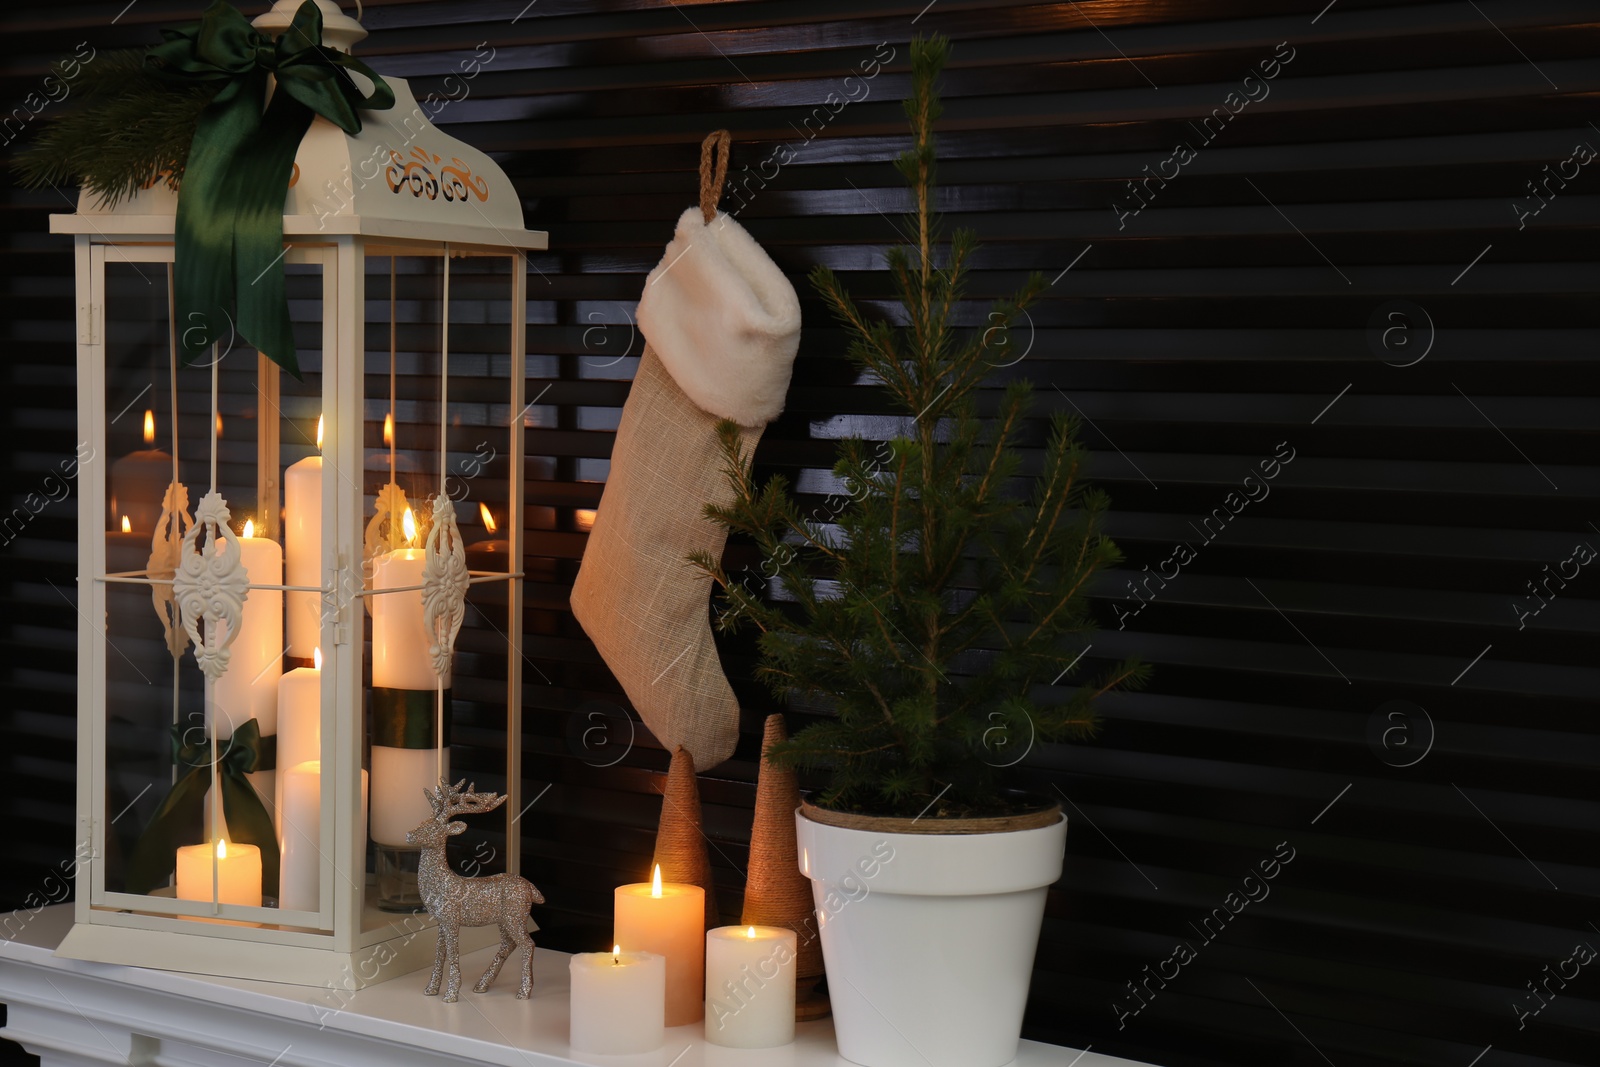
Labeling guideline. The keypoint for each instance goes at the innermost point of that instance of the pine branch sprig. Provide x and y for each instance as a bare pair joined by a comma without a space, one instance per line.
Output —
128,130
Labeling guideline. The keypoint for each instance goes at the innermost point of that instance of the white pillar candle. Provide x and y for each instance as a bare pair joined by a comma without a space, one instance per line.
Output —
300,840
618,1001
238,873
302,550
248,689
399,775
668,919
750,986
401,660
299,721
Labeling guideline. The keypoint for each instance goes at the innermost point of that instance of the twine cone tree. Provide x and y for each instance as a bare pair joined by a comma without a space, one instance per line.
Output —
680,841
776,893
933,611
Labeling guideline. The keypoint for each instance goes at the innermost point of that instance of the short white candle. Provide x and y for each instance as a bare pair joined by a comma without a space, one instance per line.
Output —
618,1001
300,839
302,549
238,873
750,986
668,918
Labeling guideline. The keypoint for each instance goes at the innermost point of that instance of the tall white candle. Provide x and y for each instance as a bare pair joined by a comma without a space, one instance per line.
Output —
401,660
299,721
302,549
668,918
300,840
750,986
618,1001
399,776
249,688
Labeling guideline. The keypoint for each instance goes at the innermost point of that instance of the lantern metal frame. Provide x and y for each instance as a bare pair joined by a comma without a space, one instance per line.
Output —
340,943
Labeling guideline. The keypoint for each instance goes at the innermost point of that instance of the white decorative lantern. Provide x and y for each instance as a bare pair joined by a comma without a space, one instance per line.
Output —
365,602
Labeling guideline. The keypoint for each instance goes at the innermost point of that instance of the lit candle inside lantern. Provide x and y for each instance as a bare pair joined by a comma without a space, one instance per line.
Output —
299,720
618,1001
238,873
492,554
300,839
387,465
402,665
128,551
302,549
668,919
750,986
139,481
248,689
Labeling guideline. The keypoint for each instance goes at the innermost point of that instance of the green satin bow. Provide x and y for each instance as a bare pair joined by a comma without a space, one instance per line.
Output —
229,230
180,818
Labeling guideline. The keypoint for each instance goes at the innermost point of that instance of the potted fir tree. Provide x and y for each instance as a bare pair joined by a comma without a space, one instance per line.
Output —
930,607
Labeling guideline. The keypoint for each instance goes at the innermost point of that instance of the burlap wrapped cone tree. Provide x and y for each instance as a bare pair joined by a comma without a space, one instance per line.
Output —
776,893
681,840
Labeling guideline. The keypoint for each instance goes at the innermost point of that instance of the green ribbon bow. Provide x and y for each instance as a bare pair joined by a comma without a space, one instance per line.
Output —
229,229
180,818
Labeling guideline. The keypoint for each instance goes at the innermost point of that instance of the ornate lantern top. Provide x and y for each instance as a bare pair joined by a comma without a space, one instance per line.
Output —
401,177
338,29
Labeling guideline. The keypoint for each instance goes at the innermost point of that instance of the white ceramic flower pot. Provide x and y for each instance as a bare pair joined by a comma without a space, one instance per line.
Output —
929,939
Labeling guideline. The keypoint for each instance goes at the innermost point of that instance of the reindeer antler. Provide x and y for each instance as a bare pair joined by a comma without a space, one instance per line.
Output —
449,800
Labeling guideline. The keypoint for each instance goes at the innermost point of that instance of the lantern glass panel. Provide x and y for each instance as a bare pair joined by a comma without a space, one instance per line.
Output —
437,412
172,433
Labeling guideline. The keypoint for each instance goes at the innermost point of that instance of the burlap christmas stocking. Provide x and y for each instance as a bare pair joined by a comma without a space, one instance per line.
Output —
721,326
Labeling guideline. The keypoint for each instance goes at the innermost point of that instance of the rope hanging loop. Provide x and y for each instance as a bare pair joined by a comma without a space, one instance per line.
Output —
717,144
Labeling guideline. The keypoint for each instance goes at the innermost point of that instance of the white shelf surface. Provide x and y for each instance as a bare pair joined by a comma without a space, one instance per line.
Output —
76,1014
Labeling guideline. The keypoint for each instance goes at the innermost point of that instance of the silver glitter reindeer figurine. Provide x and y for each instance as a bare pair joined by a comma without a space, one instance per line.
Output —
454,901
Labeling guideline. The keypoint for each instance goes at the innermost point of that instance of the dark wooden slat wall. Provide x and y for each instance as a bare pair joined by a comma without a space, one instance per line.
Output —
1235,312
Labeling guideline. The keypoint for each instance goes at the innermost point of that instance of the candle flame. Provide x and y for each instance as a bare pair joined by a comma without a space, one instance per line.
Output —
222,849
616,952
316,658
488,517
149,427
655,882
249,527
388,428
751,933
127,527
408,524
219,424
319,433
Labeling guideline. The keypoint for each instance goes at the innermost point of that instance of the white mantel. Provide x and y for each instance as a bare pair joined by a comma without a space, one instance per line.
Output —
76,1014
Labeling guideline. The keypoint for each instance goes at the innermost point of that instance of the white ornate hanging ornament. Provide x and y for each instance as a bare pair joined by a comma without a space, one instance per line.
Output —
444,583
165,546
211,584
